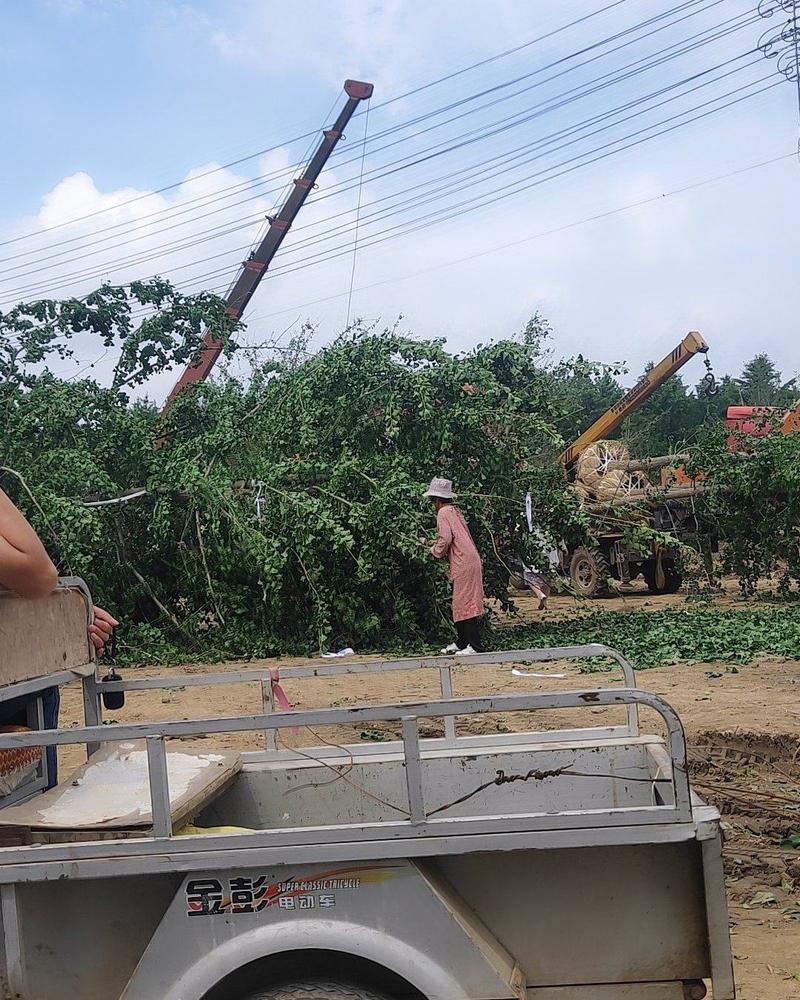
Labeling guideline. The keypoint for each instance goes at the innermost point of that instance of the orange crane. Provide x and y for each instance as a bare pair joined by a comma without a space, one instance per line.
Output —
758,421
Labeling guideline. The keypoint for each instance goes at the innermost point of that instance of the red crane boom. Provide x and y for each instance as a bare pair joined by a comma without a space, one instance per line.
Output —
254,268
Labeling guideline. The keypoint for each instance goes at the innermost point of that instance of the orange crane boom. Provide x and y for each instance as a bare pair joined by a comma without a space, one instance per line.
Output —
609,421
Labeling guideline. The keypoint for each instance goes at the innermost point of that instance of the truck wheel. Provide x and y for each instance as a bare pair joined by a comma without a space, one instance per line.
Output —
672,577
317,991
589,572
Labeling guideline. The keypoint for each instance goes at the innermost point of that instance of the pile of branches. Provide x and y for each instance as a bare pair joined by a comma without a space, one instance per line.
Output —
282,511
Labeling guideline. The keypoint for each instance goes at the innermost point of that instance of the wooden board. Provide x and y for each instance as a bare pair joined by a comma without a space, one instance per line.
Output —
42,636
110,791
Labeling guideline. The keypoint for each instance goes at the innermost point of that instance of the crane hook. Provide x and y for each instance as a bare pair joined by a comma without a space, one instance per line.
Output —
710,384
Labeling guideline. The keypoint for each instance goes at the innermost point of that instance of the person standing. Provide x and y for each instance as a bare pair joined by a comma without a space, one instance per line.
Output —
454,541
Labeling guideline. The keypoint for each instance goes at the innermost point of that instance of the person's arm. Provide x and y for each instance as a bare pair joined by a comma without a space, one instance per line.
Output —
25,566
444,537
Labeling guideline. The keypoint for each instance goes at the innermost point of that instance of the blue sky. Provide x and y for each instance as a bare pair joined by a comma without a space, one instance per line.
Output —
109,100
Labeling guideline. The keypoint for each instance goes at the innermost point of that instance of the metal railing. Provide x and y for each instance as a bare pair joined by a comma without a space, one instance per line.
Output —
266,677
408,714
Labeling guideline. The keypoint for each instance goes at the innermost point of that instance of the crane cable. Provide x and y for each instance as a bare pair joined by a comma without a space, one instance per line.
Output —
358,215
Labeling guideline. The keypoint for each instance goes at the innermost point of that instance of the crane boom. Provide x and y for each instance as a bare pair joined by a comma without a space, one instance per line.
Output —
608,422
254,268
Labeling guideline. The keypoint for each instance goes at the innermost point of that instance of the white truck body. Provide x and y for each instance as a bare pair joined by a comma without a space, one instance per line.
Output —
542,865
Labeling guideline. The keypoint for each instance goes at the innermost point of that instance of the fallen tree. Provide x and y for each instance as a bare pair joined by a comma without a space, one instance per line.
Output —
283,511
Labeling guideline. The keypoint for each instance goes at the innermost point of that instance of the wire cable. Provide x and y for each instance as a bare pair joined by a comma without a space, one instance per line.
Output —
110,266
430,221
233,190
488,131
602,215
512,245
358,218
313,132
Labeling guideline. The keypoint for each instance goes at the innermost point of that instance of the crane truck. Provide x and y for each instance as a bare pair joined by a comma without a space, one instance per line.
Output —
612,556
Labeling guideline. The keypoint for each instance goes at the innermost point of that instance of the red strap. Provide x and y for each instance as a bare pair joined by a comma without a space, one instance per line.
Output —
280,695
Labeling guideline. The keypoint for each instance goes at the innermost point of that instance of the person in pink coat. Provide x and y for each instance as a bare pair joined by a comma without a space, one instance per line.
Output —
454,541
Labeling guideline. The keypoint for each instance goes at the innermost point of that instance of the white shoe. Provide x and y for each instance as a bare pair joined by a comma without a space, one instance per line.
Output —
450,648
466,651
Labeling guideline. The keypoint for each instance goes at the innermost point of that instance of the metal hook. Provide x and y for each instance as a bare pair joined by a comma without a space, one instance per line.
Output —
710,384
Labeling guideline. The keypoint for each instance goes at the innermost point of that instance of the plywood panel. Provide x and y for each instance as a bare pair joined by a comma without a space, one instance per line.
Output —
111,791
41,636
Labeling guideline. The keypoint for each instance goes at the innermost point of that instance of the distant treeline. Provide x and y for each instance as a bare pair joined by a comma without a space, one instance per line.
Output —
675,413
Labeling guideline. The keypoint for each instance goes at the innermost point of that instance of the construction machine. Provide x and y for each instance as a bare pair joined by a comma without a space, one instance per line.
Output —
608,422
741,423
602,473
758,421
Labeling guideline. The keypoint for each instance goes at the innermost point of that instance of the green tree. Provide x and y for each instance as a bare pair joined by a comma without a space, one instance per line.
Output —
761,384
282,511
665,421
753,498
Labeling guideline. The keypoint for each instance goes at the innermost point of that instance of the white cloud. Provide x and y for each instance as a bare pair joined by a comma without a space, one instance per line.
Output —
77,195
719,258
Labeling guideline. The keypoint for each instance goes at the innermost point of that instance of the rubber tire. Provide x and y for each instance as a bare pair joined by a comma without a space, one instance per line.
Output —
595,582
317,991
516,581
672,577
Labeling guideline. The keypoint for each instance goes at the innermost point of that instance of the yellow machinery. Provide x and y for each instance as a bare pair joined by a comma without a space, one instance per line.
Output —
591,567
606,424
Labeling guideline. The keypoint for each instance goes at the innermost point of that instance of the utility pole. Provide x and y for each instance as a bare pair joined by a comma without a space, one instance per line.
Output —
254,268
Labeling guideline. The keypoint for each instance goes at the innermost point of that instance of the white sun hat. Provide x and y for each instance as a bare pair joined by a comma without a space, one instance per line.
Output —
441,488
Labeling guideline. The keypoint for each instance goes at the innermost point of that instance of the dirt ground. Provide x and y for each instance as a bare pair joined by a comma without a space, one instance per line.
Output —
744,735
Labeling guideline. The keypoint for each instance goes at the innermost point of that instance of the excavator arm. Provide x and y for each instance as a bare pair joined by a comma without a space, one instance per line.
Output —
608,422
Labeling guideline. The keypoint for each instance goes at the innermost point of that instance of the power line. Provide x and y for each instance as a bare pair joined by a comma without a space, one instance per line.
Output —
232,190
487,131
114,265
502,55
516,154
313,132
473,204
161,190
381,238
609,213
603,42
259,182
470,205
481,176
